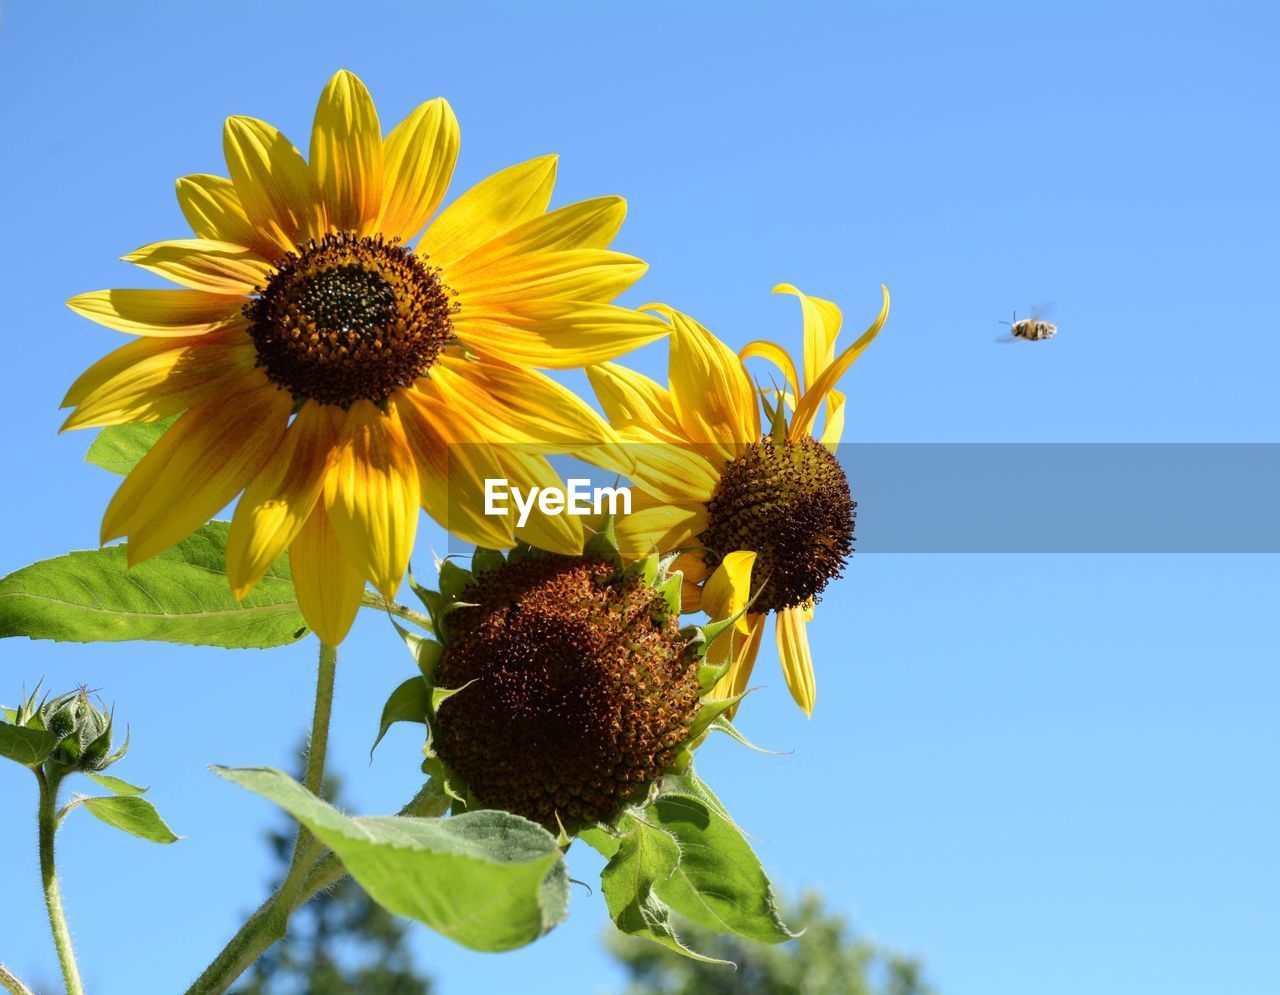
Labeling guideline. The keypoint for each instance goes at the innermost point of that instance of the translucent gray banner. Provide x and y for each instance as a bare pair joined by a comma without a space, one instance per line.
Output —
1052,498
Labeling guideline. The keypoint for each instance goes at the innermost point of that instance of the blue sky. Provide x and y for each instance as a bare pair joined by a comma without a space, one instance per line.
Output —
1042,773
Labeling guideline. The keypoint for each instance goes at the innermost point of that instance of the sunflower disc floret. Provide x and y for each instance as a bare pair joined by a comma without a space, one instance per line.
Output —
578,688
788,501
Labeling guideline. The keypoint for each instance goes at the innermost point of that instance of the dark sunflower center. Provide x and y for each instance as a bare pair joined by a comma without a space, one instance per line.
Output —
349,318
789,503
584,689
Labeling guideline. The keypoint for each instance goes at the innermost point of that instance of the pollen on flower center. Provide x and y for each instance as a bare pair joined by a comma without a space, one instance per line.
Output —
789,503
578,689
350,317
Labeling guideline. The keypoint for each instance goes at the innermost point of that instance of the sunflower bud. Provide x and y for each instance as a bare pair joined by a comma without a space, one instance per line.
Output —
83,729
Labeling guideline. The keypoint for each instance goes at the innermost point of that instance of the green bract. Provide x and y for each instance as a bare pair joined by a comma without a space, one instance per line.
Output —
564,690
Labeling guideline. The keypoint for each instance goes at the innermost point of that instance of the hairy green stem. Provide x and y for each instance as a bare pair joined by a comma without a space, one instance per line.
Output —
9,981
47,819
269,923
374,600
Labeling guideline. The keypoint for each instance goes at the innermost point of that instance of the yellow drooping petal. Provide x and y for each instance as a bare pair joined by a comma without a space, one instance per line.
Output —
590,275
493,206
200,463
202,264
588,224
152,378
728,590
452,475
821,326
811,402
372,494
556,533
714,400
278,501
793,651
557,334
159,312
745,651
418,160
834,427
775,354
329,586
658,528
346,154
272,181
212,209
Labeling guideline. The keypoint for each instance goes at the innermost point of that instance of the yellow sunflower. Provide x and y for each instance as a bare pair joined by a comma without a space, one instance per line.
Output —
330,371
712,482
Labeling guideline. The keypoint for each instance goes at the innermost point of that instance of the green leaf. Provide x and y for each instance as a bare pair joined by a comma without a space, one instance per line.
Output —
118,448
408,703
180,596
603,843
115,785
719,882
134,815
487,879
645,858
454,579
25,745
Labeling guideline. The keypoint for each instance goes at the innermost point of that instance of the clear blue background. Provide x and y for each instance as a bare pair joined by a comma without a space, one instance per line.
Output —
1045,774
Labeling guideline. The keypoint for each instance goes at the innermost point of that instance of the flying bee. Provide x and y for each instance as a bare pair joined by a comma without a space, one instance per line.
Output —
1032,329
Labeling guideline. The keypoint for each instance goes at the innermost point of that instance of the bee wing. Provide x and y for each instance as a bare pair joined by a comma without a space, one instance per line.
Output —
1005,338
1041,311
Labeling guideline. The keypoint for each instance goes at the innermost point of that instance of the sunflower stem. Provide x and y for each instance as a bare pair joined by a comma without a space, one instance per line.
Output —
47,820
10,982
374,600
271,920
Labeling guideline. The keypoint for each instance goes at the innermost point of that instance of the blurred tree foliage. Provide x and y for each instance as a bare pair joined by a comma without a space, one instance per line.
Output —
828,959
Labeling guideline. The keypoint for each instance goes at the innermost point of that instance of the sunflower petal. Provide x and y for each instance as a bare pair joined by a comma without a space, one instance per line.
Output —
556,334
655,527
493,206
452,473
588,224
159,312
507,405
592,275
278,501
212,209
714,400
809,404
793,651
834,428
371,494
821,326
202,264
630,397
419,156
745,651
776,355
152,378
200,463
554,533
272,181
328,585
728,590
346,154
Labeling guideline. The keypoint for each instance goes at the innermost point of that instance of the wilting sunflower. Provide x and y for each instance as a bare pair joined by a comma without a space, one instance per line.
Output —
327,369
713,481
